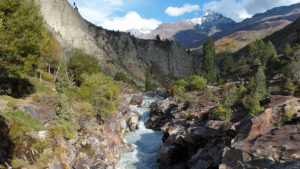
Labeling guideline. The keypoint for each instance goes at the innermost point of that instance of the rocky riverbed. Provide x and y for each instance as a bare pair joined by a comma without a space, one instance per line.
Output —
194,138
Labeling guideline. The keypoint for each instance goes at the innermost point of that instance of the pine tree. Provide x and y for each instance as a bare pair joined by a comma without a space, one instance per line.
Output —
260,83
208,63
22,37
287,49
257,91
227,64
62,77
158,39
255,52
269,53
252,103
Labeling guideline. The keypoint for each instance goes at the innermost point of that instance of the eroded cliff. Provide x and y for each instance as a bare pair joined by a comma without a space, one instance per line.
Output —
121,51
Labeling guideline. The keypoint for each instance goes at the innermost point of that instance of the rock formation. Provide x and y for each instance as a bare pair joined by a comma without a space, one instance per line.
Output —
201,141
118,49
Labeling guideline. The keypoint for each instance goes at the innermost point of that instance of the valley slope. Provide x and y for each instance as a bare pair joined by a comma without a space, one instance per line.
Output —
118,51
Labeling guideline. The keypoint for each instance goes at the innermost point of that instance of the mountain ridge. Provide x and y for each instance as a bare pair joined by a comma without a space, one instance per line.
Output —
193,30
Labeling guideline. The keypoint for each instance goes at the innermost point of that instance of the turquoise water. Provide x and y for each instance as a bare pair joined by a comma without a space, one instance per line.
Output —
145,141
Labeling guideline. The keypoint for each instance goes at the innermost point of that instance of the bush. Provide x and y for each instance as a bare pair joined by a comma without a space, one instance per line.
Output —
36,97
209,96
195,83
190,83
82,63
47,76
230,97
68,131
288,86
101,91
240,62
221,112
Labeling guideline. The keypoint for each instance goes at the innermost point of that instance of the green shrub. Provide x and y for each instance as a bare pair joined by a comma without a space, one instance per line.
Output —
221,81
82,63
36,97
47,76
240,62
221,112
101,91
288,86
209,96
230,97
190,83
68,131
177,90
241,92
195,83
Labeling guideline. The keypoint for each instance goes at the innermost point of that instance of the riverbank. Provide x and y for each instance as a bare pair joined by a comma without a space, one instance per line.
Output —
194,137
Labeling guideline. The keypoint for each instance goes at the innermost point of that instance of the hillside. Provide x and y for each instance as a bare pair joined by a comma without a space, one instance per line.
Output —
119,51
286,35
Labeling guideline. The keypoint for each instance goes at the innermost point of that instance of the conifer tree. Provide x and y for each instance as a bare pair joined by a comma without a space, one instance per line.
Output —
208,63
22,37
269,53
287,49
62,77
260,83
227,64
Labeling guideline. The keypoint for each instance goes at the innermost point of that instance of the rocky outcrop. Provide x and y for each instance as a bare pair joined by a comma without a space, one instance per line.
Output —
126,53
195,139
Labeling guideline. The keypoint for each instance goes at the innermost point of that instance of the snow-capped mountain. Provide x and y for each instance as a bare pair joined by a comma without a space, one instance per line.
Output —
192,32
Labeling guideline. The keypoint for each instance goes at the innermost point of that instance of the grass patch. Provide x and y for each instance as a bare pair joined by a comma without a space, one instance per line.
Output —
42,87
22,123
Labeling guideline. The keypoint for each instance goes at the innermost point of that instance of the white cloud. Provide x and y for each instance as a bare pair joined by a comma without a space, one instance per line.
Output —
242,9
177,11
132,20
100,12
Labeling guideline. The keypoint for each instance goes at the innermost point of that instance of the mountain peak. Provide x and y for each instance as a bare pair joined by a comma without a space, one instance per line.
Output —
211,17
209,12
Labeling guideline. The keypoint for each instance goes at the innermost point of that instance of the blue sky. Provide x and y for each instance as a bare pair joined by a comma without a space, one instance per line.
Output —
146,15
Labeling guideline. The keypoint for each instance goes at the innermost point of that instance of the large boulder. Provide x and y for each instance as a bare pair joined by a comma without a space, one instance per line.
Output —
133,122
136,100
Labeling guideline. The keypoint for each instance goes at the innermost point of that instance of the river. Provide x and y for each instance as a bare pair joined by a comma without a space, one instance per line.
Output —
145,141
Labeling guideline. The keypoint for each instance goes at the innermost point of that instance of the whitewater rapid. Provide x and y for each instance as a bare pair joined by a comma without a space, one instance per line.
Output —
145,141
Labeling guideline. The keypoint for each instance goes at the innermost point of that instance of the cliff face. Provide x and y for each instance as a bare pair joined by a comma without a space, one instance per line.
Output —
122,51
